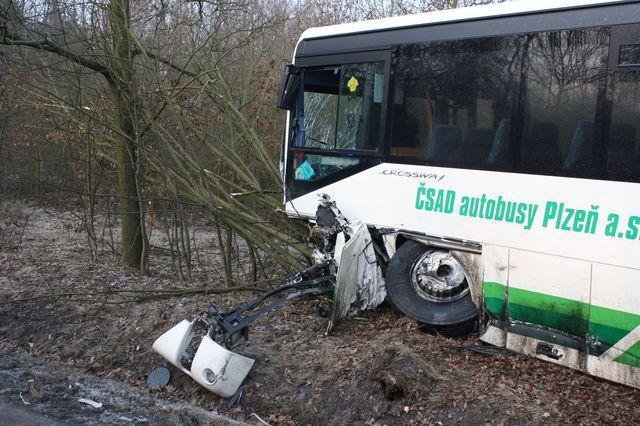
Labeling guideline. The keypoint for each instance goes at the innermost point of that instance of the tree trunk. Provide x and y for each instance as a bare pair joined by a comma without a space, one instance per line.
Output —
3,116
125,111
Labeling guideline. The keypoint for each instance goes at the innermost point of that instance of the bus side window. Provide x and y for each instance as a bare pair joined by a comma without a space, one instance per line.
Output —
623,156
579,159
500,153
563,73
476,146
451,100
445,144
540,151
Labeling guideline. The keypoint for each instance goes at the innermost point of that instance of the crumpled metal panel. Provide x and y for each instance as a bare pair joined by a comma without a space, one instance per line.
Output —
359,282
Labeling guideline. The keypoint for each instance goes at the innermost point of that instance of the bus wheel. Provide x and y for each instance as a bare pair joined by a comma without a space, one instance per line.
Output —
430,286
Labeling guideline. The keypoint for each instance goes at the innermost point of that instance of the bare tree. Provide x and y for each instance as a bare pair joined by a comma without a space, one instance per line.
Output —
175,95
117,70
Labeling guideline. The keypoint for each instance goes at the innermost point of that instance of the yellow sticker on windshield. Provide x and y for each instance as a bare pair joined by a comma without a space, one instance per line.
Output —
352,84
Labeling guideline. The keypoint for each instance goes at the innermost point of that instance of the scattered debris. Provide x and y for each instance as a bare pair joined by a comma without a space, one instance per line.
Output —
123,402
24,400
482,349
213,365
92,353
158,378
304,392
321,310
346,264
94,404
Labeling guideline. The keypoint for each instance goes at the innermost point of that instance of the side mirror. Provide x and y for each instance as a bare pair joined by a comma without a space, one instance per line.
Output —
288,86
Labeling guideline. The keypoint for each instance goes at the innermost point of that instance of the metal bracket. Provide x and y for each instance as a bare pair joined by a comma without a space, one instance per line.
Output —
230,327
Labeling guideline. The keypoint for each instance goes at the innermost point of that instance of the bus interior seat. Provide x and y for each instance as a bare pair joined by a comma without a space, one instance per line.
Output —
580,155
445,144
405,128
476,146
540,152
499,154
621,159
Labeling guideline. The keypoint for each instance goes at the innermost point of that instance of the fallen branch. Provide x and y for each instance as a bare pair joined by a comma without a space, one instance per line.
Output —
140,294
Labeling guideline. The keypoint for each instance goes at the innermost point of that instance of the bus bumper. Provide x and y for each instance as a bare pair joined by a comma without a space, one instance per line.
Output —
214,367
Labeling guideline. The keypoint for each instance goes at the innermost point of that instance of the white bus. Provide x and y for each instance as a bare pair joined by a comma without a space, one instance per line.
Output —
493,153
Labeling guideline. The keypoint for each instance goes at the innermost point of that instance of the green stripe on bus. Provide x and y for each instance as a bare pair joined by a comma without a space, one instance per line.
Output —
630,357
578,318
573,322
495,297
494,306
496,290
615,320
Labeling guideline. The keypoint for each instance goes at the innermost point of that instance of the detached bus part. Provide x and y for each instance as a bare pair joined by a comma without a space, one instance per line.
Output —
345,264
213,364
493,153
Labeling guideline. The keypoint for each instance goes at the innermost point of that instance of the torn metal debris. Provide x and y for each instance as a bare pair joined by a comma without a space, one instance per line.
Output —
345,257
359,281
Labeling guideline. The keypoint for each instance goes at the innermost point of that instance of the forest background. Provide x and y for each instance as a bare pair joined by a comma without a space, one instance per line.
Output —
142,118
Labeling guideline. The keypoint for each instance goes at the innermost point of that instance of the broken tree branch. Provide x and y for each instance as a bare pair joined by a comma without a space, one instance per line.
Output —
12,39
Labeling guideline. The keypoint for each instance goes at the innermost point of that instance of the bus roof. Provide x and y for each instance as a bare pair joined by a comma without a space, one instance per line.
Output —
511,8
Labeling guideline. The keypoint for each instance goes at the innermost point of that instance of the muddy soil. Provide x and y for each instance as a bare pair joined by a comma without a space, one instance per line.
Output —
38,392
377,368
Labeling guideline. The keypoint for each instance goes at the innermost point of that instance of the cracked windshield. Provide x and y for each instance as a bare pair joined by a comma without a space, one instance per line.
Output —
342,106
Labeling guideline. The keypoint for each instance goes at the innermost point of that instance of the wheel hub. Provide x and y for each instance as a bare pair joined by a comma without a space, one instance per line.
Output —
438,276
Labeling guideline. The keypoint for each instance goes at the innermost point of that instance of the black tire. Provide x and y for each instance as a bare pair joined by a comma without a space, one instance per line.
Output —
446,317
454,330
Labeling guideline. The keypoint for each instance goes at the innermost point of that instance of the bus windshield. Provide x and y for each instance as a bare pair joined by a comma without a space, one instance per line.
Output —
341,107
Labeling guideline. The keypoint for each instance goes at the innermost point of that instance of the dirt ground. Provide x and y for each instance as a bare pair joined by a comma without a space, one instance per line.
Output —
98,346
